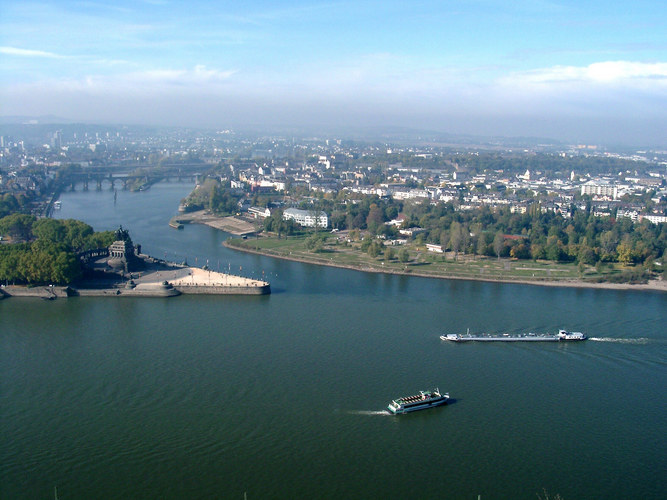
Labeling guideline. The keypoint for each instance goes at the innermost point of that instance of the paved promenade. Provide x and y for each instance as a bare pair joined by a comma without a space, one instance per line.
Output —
194,276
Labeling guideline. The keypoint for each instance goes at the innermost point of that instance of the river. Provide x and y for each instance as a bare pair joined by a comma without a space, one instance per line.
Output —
282,396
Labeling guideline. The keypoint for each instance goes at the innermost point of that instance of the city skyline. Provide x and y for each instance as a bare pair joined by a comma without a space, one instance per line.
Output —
584,73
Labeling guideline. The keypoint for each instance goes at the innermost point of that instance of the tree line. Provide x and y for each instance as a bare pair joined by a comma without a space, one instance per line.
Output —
215,196
44,251
577,236
11,203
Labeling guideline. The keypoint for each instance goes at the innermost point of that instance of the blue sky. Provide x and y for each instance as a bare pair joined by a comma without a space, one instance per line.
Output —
579,71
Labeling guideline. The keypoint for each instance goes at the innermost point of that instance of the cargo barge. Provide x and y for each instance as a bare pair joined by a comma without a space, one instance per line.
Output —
561,336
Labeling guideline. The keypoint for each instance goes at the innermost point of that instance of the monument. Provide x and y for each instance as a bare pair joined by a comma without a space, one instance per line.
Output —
123,254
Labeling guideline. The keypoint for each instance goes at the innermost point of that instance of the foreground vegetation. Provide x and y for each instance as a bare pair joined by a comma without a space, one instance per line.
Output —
44,251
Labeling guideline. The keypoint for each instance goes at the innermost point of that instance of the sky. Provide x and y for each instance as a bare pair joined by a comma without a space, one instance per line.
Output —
579,71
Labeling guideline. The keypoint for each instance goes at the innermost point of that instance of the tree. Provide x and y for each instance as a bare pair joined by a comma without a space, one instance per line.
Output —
586,255
480,247
314,243
581,267
624,251
649,263
17,226
537,251
455,238
49,229
498,243
81,236
444,239
391,212
608,244
520,251
551,250
375,218
8,205
598,267
374,248
403,255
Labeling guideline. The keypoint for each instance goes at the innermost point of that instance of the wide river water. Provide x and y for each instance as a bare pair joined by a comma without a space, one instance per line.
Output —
282,396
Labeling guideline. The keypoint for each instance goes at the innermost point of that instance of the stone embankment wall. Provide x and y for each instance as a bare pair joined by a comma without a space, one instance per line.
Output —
127,292
224,289
46,292
141,291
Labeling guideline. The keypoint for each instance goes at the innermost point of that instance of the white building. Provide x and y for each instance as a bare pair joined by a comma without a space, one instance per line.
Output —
259,213
410,194
655,219
600,190
630,214
306,218
411,231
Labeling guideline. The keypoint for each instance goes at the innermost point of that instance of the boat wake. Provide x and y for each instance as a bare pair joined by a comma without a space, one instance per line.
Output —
373,413
620,341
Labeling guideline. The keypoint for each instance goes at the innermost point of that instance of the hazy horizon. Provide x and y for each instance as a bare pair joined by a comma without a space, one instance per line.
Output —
593,73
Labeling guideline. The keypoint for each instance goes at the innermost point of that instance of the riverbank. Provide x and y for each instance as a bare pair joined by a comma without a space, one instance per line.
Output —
369,265
231,224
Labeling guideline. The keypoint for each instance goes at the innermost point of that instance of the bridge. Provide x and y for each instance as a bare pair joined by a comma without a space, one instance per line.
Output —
135,178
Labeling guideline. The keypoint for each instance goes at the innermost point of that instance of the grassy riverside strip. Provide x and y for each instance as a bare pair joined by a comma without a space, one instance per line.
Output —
432,265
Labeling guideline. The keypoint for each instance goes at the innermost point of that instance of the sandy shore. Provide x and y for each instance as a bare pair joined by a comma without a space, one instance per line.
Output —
653,285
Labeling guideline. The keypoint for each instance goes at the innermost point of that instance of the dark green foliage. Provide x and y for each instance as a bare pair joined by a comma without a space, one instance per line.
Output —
633,276
276,224
222,201
374,249
217,197
10,204
48,255
39,262
501,233
315,242
17,226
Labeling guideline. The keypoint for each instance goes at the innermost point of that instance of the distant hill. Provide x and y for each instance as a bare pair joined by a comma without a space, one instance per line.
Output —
33,120
37,128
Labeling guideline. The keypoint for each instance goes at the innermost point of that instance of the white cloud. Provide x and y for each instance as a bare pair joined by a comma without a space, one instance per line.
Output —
14,51
608,72
199,75
199,79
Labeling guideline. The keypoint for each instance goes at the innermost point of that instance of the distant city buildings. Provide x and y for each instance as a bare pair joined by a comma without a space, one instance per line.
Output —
273,171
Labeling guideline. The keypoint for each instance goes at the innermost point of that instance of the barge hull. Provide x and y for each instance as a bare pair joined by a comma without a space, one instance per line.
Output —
562,336
508,339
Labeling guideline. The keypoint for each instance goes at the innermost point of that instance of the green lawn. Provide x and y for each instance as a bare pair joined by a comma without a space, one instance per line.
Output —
421,261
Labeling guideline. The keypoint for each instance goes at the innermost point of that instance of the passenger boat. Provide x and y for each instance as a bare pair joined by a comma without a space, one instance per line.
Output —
421,401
